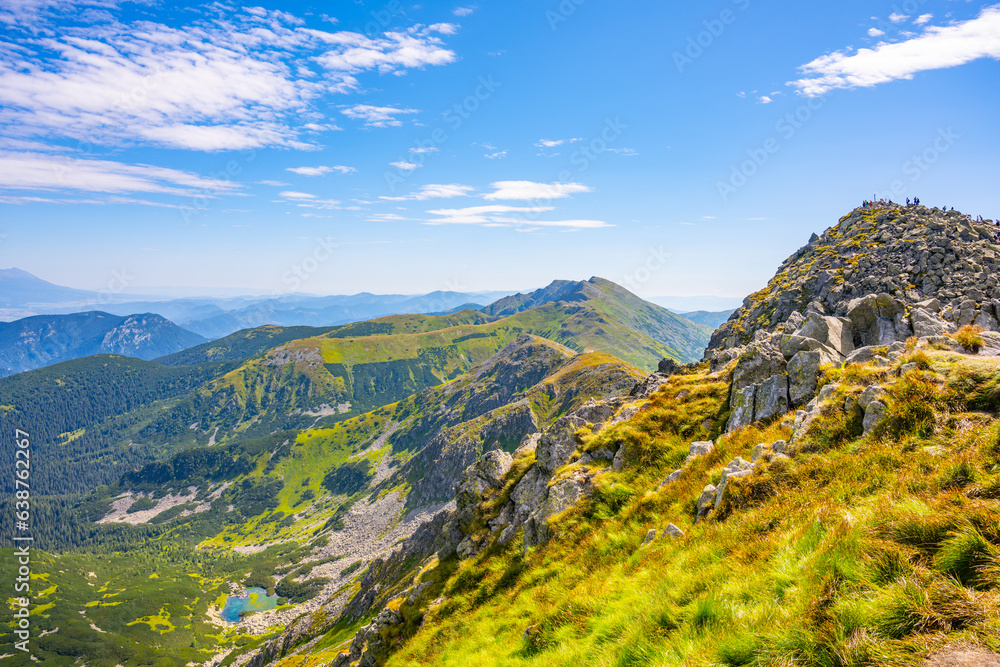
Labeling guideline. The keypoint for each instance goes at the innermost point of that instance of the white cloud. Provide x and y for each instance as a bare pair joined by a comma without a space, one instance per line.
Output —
499,216
875,32
764,99
444,28
896,17
405,166
936,48
37,171
350,52
230,81
306,200
550,143
376,116
277,184
321,171
923,18
463,11
386,217
625,151
532,190
496,155
435,192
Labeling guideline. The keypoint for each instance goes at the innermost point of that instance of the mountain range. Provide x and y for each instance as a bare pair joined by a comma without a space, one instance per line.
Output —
42,340
23,294
526,483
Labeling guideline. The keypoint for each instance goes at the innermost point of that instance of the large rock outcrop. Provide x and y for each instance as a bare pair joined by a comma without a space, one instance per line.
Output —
877,278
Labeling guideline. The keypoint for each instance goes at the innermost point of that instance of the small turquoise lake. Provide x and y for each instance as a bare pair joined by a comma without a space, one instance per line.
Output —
254,599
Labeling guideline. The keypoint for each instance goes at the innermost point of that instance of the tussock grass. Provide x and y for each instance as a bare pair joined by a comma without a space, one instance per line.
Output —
969,338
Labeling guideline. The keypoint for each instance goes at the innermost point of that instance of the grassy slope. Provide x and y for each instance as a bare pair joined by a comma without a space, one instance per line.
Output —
240,345
867,550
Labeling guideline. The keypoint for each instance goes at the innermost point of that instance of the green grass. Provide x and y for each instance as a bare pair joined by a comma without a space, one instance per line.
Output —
861,551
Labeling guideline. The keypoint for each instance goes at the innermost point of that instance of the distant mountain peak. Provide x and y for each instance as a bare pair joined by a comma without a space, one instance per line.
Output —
15,272
42,340
18,289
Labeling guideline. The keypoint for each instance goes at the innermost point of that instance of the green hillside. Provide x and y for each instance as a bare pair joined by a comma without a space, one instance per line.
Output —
251,342
84,413
353,369
682,340
240,345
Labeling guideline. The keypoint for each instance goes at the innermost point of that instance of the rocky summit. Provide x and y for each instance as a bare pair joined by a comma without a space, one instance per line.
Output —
883,274
942,262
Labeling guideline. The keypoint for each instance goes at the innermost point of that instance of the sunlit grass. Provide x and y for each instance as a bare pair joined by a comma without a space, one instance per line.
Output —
868,550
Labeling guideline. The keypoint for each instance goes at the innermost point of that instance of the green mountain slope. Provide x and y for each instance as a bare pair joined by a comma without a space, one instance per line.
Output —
84,413
240,345
251,342
359,367
297,491
683,340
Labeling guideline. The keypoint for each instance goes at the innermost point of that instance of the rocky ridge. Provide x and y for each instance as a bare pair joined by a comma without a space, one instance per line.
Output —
912,253
879,277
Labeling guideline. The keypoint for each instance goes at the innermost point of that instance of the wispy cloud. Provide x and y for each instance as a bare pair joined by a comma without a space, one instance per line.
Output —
377,116
507,216
37,171
463,11
307,200
321,171
386,217
405,166
530,190
937,48
435,192
351,52
228,81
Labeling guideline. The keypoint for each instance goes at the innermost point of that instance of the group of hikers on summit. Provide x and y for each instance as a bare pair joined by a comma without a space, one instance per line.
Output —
879,202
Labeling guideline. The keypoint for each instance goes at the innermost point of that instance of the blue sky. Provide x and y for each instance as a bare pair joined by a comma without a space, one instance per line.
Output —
676,148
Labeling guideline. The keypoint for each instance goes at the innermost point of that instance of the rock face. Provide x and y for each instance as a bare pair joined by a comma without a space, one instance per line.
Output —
803,376
562,495
878,319
486,473
559,442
